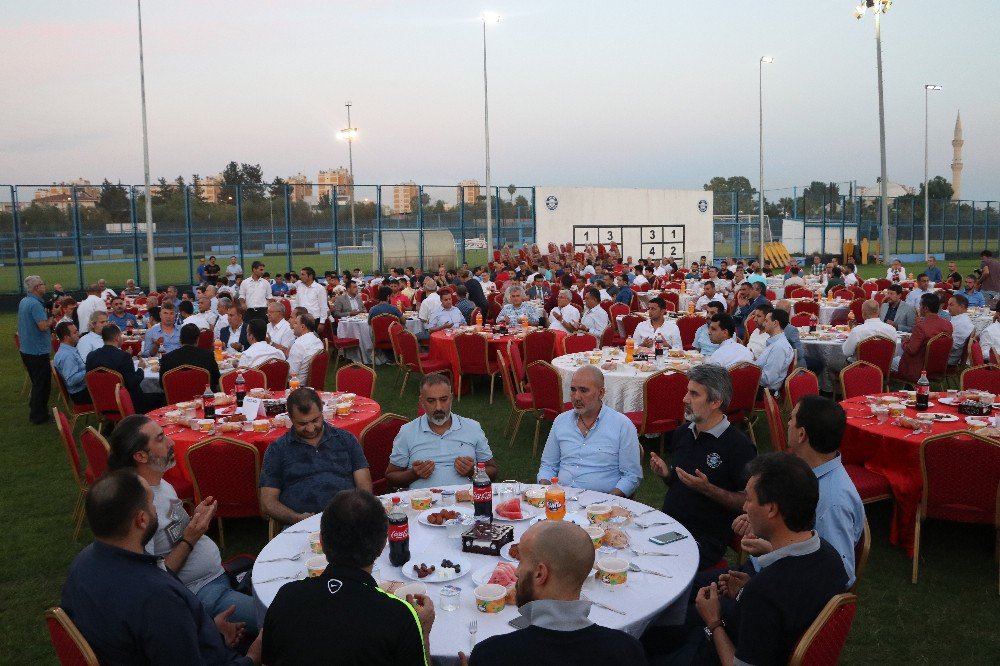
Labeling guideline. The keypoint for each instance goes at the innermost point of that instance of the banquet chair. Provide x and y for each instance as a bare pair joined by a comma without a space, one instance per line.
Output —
806,307
72,410
579,342
185,382
538,346
689,326
318,365
610,337
473,353
101,383
206,339
672,297
982,378
71,648
618,310
357,379
133,347
844,294
630,323
73,456
394,330
493,312
801,292
520,403
961,484
975,351
775,424
953,372
252,377
124,401
606,306
228,470
877,350
546,395
341,344
800,320
516,365
662,405
856,310
798,383
745,378
413,361
381,338
860,378
376,442
824,640
276,374
771,295
862,549
935,361
882,283
97,450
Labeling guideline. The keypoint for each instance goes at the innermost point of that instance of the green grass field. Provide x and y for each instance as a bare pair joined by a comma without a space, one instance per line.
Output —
943,619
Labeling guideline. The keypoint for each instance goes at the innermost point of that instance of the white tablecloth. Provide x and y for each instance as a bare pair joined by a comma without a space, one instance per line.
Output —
357,327
829,311
645,597
831,354
622,387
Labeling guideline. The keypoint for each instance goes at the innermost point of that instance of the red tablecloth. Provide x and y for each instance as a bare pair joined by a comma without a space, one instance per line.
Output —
442,346
885,449
365,411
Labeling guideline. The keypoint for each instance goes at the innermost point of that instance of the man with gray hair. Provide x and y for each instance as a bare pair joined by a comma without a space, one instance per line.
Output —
222,305
870,327
513,312
34,326
92,339
431,301
706,481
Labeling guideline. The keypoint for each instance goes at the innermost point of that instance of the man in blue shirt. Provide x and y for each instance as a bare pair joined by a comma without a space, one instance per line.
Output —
384,306
702,341
280,287
119,316
976,298
592,446
309,464
165,336
624,294
439,448
933,272
69,365
129,609
34,326
778,353
512,312
464,305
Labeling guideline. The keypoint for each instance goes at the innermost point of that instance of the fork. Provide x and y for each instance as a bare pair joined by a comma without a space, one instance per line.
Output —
473,628
293,558
652,553
635,567
271,580
659,522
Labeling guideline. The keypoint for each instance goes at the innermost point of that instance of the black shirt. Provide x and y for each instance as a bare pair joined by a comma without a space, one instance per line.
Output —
191,355
722,459
212,273
534,645
341,617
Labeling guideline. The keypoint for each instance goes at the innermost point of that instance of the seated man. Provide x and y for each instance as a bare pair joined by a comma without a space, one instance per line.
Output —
119,316
922,287
702,338
91,340
709,295
556,560
69,365
310,463
447,316
439,448
431,301
384,306
279,331
131,289
463,304
128,609
206,317
706,481
911,363
259,351
758,339
870,327
592,446
565,314
235,334
341,616
112,357
516,309
307,344
975,297
658,328
961,326
896,312
595,318
398,299
164,336
539,289
139,444
990,337
777,356
189,353
349,303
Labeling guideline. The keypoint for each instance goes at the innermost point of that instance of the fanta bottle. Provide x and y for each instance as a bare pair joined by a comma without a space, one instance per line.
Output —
555,501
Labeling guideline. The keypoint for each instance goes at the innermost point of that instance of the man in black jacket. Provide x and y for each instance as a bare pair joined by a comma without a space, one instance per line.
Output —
112,357
189,353
476,294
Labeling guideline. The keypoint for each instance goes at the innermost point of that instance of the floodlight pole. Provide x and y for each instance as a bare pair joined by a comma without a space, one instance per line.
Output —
927,224
151,255
486,125
884,189
760,99
350,167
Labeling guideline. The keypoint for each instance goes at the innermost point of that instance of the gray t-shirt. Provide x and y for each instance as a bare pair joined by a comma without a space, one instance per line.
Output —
204,563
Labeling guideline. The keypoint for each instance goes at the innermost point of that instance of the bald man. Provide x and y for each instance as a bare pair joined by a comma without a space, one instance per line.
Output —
556,559
871,327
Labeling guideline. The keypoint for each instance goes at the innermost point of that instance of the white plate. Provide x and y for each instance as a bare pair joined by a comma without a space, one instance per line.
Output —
939,417
912,404
505,552
422,516
482,575
435,559
989,420
527,511
946,401
569,518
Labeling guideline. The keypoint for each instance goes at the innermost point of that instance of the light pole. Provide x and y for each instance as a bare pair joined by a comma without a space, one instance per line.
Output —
927,224
760,98
151,258
879,7
348,134
487,18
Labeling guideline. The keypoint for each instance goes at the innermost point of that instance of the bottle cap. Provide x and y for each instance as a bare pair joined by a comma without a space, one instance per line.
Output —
555,479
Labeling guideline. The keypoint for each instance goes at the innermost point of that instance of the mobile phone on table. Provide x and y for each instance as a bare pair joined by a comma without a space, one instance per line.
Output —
669,537
519,622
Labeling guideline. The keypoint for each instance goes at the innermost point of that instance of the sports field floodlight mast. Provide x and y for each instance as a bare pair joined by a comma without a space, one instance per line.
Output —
349,134
927,220
487,18
760,98
151,255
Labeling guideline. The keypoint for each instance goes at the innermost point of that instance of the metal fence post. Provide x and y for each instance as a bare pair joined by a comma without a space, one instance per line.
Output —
18,249
534,217
288,229
378,225
79,237
336,246
420,223
135,232
239,225
190,239
461,218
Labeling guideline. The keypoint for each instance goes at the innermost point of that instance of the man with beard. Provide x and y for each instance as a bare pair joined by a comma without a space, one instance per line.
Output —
139,443
556,559
439,448
706,481
128,609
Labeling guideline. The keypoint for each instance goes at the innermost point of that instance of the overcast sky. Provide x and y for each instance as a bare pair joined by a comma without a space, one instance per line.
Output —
623,94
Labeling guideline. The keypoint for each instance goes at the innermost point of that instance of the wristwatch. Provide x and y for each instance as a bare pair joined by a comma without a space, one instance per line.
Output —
709,630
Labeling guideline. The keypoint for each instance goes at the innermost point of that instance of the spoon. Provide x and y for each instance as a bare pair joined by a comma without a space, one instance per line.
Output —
638,569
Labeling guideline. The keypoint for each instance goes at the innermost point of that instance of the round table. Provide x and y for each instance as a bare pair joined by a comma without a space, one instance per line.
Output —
827,348
622,386
442,346
357,327
365,411
886,449
828,310
645,598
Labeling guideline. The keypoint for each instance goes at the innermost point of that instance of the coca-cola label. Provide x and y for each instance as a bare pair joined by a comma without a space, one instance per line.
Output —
924,389
482,494
399,532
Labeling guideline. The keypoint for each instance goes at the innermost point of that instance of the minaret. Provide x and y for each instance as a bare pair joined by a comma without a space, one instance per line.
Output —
956,160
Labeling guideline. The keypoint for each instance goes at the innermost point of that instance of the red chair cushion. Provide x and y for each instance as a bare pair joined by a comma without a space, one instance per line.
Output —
435,365
343,343
524,401
869,484
635,418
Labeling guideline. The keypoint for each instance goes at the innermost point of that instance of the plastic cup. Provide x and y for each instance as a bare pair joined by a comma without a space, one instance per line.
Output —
314,543
316,565
344,408
535,497
455,528
448,498
421,500
612,571
449,598
490,598
410,588
595,534
247,426
598,513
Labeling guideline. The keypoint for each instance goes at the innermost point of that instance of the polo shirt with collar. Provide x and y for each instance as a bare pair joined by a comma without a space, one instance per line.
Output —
170,342
721,453
127,319
30,312
416,441
309,476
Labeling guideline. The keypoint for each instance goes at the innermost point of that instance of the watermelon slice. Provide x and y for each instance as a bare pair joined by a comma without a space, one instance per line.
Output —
505,574
511,509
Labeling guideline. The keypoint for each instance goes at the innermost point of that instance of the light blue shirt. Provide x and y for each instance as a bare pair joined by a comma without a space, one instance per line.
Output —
757,277
452,316
71,368
88,342
34,342
702,342
416,441
774,362
976,298
511,314
609,456
170,342
123,321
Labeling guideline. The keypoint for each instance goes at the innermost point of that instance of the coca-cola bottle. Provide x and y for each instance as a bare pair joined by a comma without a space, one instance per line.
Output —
208,402
241,389
399,535
482,493
812,323
923,392
658,347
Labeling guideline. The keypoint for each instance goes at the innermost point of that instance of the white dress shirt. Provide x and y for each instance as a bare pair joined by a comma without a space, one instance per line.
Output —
757,342
913,298
255,292
988,339
88,343
313,299
220,323
258,353
596,320
569,313
203,320
850,279
961,328
639,281
451,318
705,300
428,306
281,334
729,353
867,329
894,274
88,306
108,293
299,356
668,332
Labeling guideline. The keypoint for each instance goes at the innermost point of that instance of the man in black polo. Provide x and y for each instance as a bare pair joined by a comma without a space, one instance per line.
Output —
706,479
189,353
341,616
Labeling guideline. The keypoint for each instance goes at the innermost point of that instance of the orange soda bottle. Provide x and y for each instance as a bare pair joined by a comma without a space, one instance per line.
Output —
555,501
294,383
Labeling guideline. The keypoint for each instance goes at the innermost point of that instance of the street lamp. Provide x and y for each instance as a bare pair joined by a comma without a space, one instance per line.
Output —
145,162
487,18
349,134
927,88
879,7
760,97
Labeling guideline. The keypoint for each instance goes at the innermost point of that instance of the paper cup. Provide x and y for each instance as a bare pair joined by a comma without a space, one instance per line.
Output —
535,497
420,500
612,571
598,513
314,543
595,534
205,425
410,588
247,426
316,565
490,598
261,425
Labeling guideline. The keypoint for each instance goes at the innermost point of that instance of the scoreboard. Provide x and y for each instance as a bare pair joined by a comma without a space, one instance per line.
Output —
637,241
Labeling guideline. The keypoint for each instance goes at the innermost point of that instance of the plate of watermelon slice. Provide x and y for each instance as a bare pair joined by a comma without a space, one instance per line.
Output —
514,510
502,573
